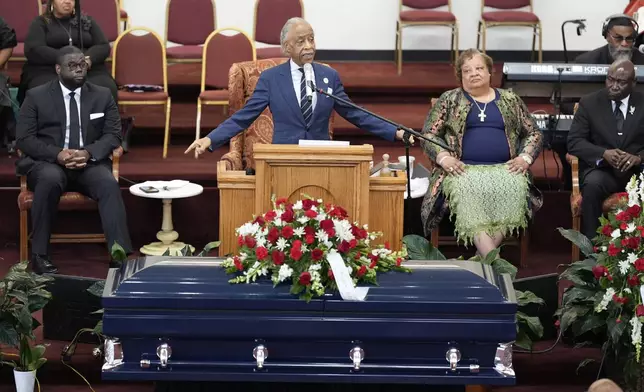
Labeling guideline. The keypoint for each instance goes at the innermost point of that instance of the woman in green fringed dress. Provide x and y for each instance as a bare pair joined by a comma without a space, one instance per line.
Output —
485,183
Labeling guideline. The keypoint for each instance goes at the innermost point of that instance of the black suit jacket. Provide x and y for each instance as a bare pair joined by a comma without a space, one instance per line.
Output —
594,130
601,55
40,133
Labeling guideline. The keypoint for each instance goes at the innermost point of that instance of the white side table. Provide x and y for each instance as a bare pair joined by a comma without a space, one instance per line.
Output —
167,236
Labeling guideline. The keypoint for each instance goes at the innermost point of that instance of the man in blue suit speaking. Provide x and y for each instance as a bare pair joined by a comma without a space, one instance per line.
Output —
296,114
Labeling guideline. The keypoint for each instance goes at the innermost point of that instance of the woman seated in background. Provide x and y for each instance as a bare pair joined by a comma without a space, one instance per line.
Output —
485,181
7,118
58,27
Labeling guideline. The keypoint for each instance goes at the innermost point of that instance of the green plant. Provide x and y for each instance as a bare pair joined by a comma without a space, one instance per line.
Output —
22,293
529,328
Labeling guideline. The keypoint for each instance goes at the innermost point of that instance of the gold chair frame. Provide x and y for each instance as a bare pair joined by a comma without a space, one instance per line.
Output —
204,65
536,30
125,21
400,25
166,103
167,20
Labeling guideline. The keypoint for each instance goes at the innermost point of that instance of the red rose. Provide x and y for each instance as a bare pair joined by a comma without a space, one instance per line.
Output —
634,242
633,280
373,258
613,250
296,253
326,225
620,300
270,215
338,212
310,214
308,230
238,263
607,230
259,220
374,264
288,216
600,271
287,232
623,216
309,239
305,278
353,243
361,271
634,210
261,253
639,310
639,265
330,274
624,242
343,247
281,200
249,241
357,256
307,204
399,261
297,244
387,245
623,226
316,254
330,233
273,235
278,257
240,240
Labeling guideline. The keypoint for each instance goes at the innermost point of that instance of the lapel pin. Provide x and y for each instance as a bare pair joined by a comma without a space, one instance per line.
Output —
631,110
325,80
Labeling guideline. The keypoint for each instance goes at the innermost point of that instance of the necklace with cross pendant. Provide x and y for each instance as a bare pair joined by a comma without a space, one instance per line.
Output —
482,115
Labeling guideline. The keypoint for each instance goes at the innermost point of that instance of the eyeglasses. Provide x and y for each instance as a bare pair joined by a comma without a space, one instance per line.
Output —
618,38
80,65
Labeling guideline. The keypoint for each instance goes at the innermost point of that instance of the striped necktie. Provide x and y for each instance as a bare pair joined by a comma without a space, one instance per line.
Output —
305,104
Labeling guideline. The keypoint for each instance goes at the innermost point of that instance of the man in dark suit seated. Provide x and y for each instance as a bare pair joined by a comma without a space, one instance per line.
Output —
67,130
296,114
607,135
620,32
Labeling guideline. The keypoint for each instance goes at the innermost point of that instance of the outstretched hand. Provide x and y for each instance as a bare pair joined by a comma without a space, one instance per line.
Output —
200,146
400,135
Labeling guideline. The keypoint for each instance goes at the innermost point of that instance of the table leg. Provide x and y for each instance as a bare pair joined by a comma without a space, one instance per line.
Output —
167,236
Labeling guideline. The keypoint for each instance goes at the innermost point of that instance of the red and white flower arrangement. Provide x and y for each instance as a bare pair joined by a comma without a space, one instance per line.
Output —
291,243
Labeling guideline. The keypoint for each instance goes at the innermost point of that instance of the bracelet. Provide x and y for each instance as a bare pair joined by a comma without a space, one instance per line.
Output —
441,160
527,158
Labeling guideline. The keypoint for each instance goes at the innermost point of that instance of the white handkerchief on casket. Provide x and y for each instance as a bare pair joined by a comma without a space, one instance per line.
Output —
166,185
348,291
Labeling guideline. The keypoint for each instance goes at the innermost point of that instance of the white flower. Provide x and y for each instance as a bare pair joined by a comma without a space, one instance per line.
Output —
343,230
608,296
624,266
284,273
320,201
243,256
297,205
616,233
315,267
248,229
299,231
278,221
281,244
321,235
303,220
636,333
628,291
320,217
604,249
630,228
631,258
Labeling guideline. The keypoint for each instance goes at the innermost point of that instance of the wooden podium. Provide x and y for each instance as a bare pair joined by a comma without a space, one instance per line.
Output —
338,175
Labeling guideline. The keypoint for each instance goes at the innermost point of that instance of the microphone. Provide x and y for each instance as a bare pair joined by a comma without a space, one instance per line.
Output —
308,80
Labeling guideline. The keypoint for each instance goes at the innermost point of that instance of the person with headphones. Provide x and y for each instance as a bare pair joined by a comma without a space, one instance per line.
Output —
620,32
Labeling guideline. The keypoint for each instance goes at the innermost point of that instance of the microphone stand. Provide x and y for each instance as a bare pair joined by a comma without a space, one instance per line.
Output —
580,26
408,131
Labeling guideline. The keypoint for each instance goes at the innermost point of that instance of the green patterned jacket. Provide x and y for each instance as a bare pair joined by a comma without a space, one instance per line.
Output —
446,121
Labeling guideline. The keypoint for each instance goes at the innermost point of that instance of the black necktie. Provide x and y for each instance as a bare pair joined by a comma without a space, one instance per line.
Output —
74,126
619,116
305,104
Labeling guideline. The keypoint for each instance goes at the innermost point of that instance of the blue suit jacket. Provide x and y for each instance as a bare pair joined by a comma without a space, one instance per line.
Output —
275,90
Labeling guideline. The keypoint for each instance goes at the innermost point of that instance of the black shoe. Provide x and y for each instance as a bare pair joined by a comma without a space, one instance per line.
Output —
41,265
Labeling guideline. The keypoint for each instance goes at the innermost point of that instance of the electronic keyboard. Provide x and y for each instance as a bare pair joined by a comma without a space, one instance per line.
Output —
554,127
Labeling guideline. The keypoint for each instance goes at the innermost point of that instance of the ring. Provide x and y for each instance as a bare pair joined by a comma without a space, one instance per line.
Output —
628,162
451,169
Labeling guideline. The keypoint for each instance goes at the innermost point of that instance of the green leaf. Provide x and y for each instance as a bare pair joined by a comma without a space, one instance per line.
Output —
583,364
19,296
98,329
615,329
577,277
419,248
523,340
582,242
533,323
100,311
570,314
492,256
185,251
97,288
8,334
579,294
118,253
501,266
209,246
37,364
528,297
24,320
591,322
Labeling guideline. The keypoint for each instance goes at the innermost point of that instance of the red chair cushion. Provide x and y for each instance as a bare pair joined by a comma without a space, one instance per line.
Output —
145,96
69,201
427,16
214,95
185,52
19,51
611,203
510,16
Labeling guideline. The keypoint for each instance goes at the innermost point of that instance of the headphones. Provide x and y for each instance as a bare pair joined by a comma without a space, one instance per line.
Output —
636,25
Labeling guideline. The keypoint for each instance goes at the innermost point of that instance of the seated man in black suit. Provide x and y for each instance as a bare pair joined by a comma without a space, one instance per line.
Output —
607,135
67,130
620,32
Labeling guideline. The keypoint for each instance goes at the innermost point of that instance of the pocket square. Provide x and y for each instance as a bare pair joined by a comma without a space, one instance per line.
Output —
94,116
329,90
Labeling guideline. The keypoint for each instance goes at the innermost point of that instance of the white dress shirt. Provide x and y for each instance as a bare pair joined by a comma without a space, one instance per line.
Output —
297,76
66,98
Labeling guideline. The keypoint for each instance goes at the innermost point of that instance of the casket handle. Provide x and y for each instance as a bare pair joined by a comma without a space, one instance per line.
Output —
260,353
357,356
164,352
452,356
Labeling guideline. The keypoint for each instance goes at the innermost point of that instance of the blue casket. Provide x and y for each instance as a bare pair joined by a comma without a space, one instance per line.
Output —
172,318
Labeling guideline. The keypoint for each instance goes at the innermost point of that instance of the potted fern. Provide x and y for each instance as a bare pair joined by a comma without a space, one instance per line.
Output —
22,293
